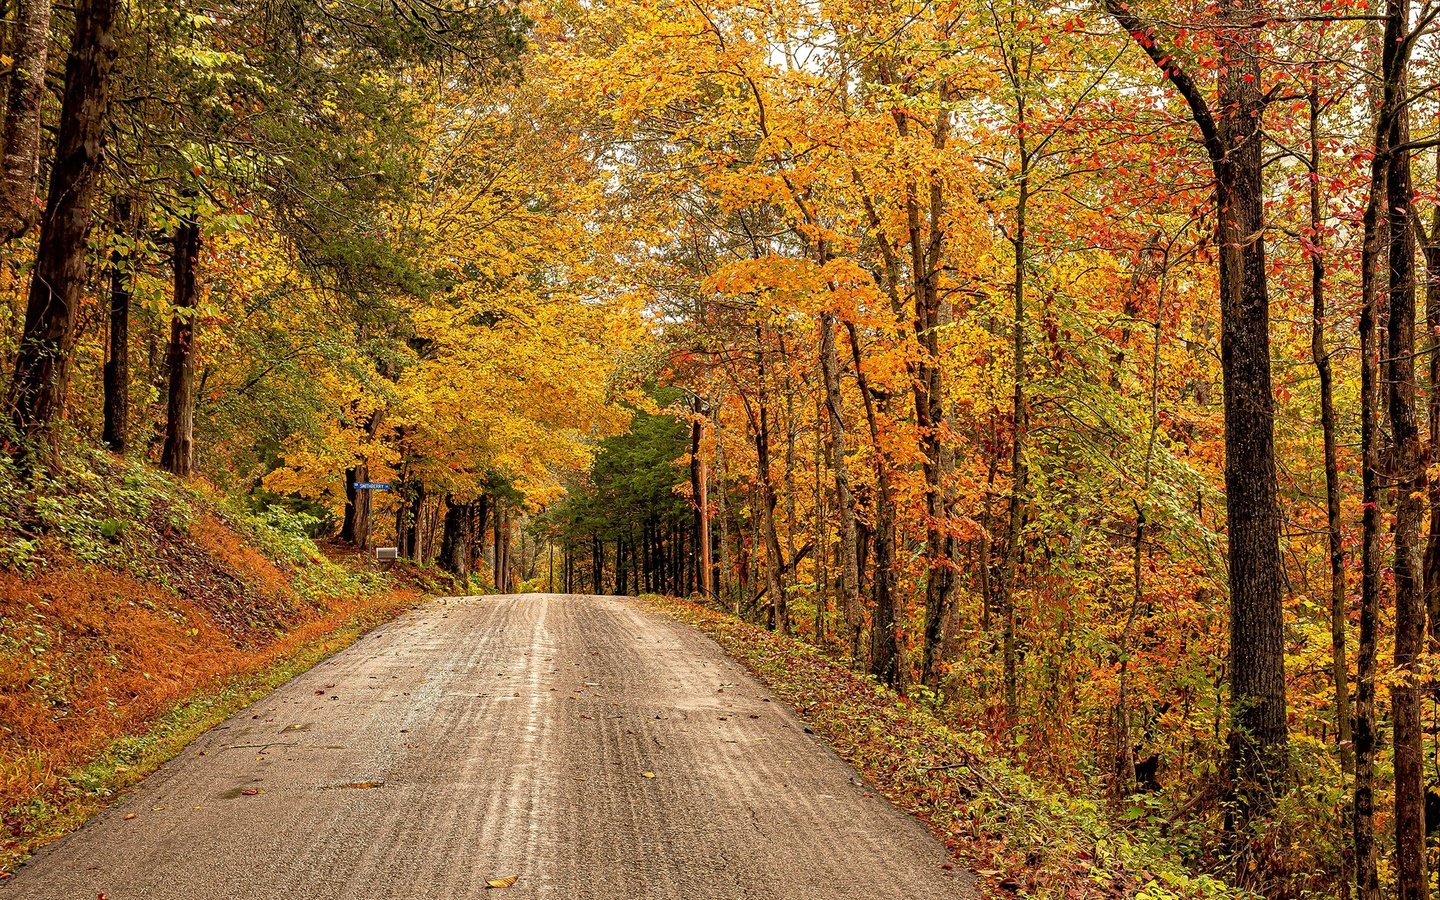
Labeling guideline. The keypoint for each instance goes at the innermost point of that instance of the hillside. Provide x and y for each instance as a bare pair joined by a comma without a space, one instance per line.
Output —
136,611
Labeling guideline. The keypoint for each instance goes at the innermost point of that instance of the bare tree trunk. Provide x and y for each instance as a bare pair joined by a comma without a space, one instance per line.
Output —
179,453
117,366
37,389
20,168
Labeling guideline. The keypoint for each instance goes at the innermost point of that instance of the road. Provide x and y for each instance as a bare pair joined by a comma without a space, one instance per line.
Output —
588,745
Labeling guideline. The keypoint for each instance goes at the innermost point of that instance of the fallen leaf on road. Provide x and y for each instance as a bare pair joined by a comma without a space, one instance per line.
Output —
502,882
647,774
129,817
250,792
362,785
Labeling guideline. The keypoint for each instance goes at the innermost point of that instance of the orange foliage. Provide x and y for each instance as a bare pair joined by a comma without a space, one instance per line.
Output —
89,654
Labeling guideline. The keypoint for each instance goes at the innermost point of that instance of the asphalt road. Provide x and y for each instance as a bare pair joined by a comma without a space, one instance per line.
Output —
587,745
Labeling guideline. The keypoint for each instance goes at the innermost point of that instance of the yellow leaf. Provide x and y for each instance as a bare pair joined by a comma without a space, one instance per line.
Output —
648,774
502,882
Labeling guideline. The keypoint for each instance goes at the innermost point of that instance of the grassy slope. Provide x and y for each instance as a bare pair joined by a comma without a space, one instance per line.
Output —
1017,836
135,613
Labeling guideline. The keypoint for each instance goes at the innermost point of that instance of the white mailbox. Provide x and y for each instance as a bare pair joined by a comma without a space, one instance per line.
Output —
387,552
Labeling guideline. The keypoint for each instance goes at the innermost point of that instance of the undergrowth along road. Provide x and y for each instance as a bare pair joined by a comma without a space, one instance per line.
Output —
1017,836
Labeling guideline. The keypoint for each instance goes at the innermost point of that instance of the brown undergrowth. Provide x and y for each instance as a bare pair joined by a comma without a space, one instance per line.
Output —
117,650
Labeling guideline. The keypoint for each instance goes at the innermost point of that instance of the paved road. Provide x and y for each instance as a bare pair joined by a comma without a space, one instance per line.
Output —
479,738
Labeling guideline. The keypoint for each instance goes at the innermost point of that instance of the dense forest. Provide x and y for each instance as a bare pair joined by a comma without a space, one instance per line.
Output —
1071,369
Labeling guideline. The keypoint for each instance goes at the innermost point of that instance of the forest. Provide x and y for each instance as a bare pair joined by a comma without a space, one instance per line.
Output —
1071,369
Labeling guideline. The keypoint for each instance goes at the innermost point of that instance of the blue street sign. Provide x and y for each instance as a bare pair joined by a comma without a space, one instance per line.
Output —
371,486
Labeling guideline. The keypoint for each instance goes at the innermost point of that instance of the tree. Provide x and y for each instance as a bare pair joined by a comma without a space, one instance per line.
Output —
179,453
117,364
39,381
20,166
1231,134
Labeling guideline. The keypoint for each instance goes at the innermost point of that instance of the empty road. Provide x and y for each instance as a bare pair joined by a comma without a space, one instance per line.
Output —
587,745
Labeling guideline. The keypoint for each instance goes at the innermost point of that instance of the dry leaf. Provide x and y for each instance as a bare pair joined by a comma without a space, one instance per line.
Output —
502,882
648,774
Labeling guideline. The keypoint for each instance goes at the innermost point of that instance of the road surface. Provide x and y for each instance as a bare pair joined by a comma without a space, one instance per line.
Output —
592,747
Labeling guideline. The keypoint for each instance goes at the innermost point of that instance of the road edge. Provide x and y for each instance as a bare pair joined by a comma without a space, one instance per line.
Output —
130,759
1015,836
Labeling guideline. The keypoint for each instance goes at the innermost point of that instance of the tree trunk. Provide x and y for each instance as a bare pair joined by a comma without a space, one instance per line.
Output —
37,389
117,366
355,528
1367,881
1408,474
707,541
1431,254
502,548
179,454
481,508
930,417
774,563
1257,648
697,493
844,497
620,583
1019,473
414,511
723,500
884,648
454,555
1259,731
20,168
356,524
597,564
1321,356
